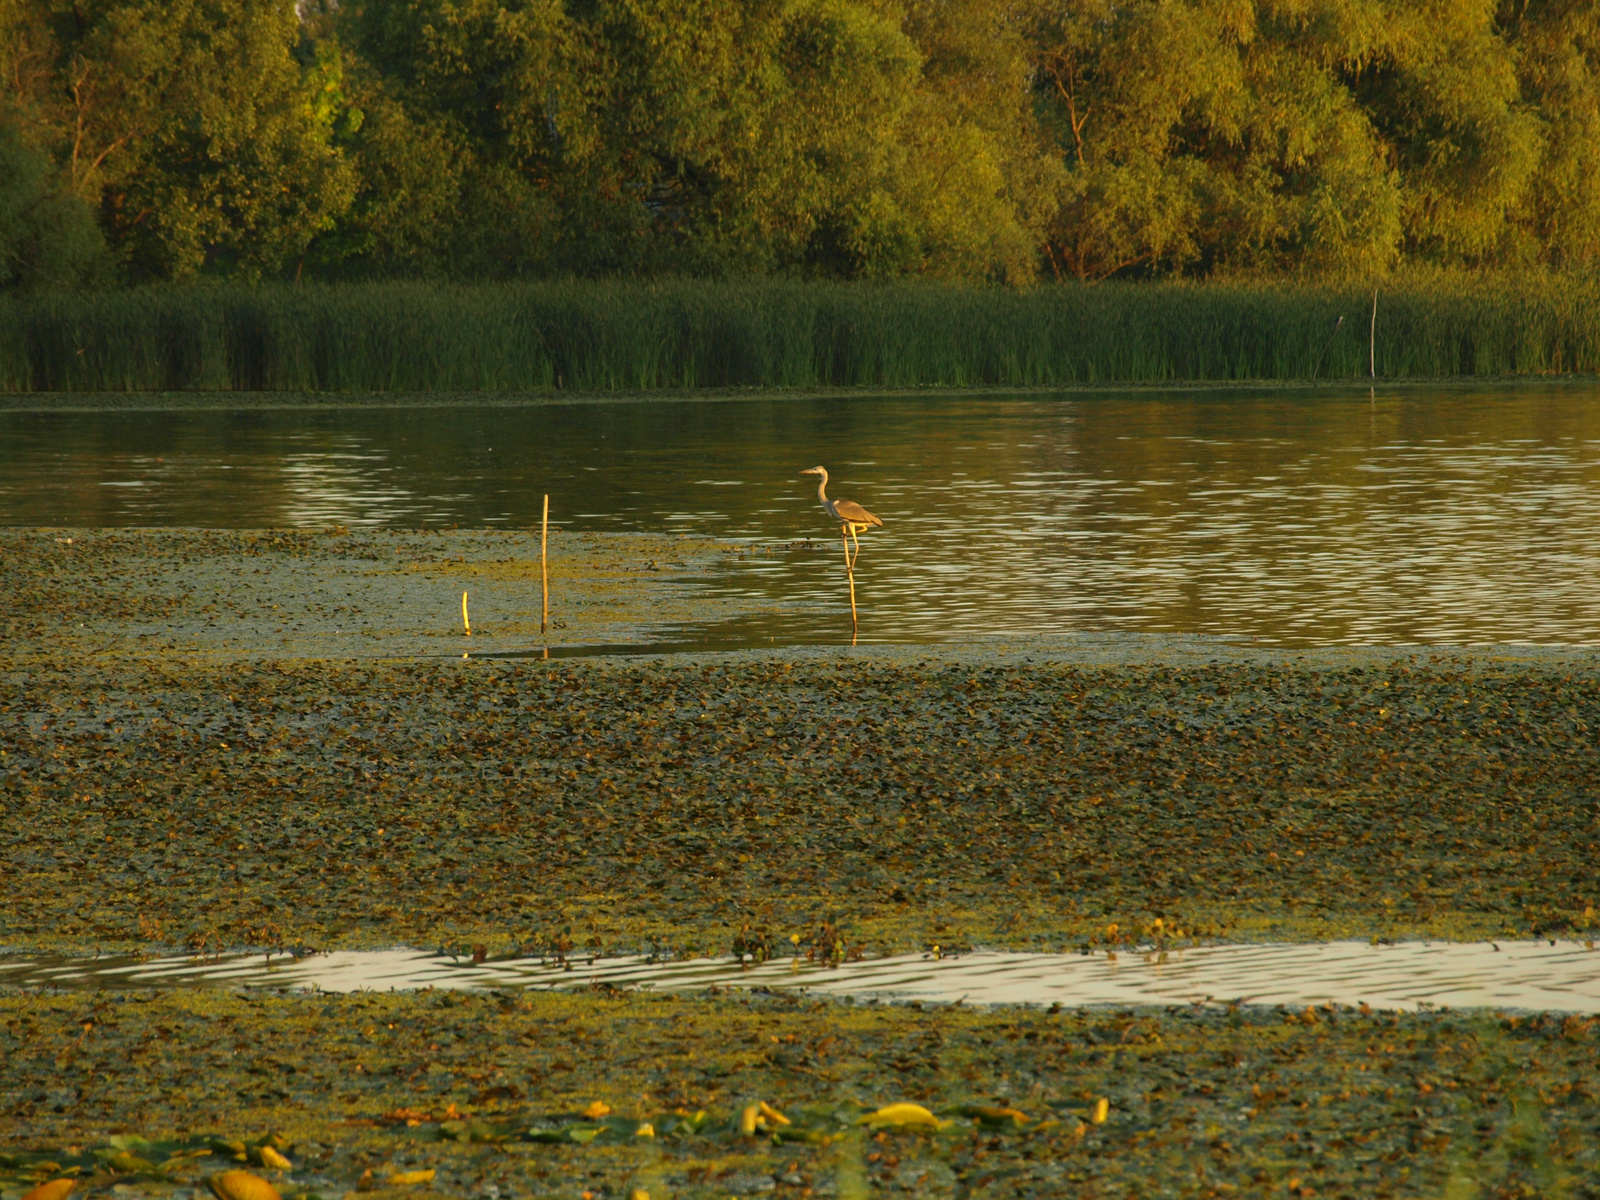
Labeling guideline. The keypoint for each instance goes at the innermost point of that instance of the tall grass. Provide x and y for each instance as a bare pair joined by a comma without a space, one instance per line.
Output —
620,335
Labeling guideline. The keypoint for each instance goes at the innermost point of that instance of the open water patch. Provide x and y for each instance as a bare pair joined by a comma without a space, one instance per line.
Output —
1542,976
1410,516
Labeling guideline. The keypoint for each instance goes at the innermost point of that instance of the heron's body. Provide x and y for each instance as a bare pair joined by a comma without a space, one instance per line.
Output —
852,518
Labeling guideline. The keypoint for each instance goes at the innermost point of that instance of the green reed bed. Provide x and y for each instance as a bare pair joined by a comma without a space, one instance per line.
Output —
632,335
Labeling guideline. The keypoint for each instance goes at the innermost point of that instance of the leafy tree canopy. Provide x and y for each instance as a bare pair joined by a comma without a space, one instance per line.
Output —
958,139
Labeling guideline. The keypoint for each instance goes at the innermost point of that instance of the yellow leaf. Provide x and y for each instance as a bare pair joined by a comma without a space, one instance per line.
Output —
911,1115
645,1130
54,1190
597,1110
241,1185
408,1177
748,1119
1102,1110
271,1158
773,1114
638,1194
992,1115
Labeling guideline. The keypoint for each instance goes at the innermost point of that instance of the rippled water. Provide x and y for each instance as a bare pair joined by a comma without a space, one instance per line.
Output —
1512,975
1435,517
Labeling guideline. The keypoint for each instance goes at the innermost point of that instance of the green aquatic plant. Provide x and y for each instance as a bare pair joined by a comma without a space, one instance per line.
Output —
583,807
606,336
502,1088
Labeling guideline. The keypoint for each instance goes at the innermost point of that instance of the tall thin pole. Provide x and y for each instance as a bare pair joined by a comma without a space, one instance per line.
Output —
850,573
1372,338
544,565
464,619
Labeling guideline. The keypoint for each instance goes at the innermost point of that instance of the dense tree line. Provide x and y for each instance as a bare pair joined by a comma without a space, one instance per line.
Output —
959,139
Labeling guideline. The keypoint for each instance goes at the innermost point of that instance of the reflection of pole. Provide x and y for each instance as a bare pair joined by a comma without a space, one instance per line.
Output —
544,565
464,620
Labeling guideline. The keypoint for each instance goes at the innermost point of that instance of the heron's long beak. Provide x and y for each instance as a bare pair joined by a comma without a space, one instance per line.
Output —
810,471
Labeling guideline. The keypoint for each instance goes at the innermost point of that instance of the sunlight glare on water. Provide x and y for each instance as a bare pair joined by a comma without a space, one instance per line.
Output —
1516,975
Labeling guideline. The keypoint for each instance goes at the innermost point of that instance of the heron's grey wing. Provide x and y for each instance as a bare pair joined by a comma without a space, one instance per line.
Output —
849,510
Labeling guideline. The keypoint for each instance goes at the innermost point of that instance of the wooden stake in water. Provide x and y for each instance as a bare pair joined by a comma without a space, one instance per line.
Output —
850,573
1372,339
464,619
544,565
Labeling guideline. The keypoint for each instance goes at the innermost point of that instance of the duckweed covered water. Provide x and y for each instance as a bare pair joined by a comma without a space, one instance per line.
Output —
244,783
862,805
544,1095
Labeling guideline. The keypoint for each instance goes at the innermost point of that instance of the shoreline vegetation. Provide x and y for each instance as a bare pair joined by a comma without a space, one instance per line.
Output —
268,401
619,338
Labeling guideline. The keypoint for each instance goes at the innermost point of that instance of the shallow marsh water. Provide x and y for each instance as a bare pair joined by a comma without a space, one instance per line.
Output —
1540,976
235,783
1298,518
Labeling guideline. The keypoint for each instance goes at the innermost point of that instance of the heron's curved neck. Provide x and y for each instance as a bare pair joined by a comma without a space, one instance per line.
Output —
822,487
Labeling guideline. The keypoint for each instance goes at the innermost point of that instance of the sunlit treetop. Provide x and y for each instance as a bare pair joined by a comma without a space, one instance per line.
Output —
954,139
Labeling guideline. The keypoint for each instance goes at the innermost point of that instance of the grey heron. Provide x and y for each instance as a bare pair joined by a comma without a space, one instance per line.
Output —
852,518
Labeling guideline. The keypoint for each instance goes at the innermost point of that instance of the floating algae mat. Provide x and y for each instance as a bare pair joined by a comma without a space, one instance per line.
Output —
512,1095
1542,975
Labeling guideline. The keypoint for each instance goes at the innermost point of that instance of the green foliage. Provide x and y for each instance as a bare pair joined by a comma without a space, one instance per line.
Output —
1320,134
959,140
47,239
203,142
621,335
723,139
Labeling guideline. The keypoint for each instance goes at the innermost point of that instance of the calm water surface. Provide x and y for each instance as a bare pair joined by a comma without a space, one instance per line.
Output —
1431,517
1539,976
